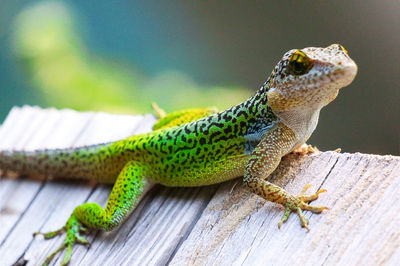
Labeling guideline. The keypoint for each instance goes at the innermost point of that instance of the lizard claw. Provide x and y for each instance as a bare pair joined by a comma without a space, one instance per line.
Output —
299,203
51,234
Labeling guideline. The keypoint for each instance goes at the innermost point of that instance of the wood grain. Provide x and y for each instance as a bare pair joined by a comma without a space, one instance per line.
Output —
215,225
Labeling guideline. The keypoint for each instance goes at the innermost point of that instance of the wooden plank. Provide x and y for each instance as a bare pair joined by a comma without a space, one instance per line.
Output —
182,226
15,125
362,226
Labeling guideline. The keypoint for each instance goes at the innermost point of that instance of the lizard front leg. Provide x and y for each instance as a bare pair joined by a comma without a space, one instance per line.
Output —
265,158
127,191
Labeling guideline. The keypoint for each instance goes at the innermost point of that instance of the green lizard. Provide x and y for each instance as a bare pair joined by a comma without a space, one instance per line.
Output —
200,147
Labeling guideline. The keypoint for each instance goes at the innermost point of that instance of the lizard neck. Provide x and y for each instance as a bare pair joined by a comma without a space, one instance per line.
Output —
258,107
302,119
252,115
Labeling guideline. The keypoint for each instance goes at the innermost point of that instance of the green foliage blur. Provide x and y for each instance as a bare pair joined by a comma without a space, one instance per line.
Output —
67,74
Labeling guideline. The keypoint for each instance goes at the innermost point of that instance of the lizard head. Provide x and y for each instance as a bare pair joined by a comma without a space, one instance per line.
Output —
310,77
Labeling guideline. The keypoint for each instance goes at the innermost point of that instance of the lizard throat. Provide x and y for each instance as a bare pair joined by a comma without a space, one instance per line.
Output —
302,121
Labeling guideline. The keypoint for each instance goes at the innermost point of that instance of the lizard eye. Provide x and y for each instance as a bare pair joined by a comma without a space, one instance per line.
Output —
299,63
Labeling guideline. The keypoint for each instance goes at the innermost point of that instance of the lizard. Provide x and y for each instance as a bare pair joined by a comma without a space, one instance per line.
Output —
198,147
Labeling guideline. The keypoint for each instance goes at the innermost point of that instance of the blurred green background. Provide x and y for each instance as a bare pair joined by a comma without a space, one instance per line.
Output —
119,56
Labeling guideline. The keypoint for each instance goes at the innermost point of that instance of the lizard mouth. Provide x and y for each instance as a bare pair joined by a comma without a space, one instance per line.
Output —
344,74
332,74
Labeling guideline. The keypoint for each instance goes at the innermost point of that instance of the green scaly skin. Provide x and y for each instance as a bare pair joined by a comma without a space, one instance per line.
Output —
200,147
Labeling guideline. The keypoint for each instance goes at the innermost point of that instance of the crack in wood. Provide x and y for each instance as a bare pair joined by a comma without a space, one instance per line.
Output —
330,171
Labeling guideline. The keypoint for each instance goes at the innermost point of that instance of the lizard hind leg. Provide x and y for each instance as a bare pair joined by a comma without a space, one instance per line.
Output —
158,111
179,117
127,191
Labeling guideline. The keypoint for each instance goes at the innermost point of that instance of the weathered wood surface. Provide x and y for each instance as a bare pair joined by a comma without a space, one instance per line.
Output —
216,225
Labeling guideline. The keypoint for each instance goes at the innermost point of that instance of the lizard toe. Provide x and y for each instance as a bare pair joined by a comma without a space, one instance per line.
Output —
299,203
72,228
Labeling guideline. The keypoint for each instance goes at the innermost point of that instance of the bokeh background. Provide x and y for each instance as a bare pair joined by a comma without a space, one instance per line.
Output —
119,56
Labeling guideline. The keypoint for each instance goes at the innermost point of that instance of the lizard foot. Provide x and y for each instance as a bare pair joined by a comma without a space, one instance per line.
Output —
305,149
299,203
73,229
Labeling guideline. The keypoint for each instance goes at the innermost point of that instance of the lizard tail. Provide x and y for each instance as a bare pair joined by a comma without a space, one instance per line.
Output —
88,162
